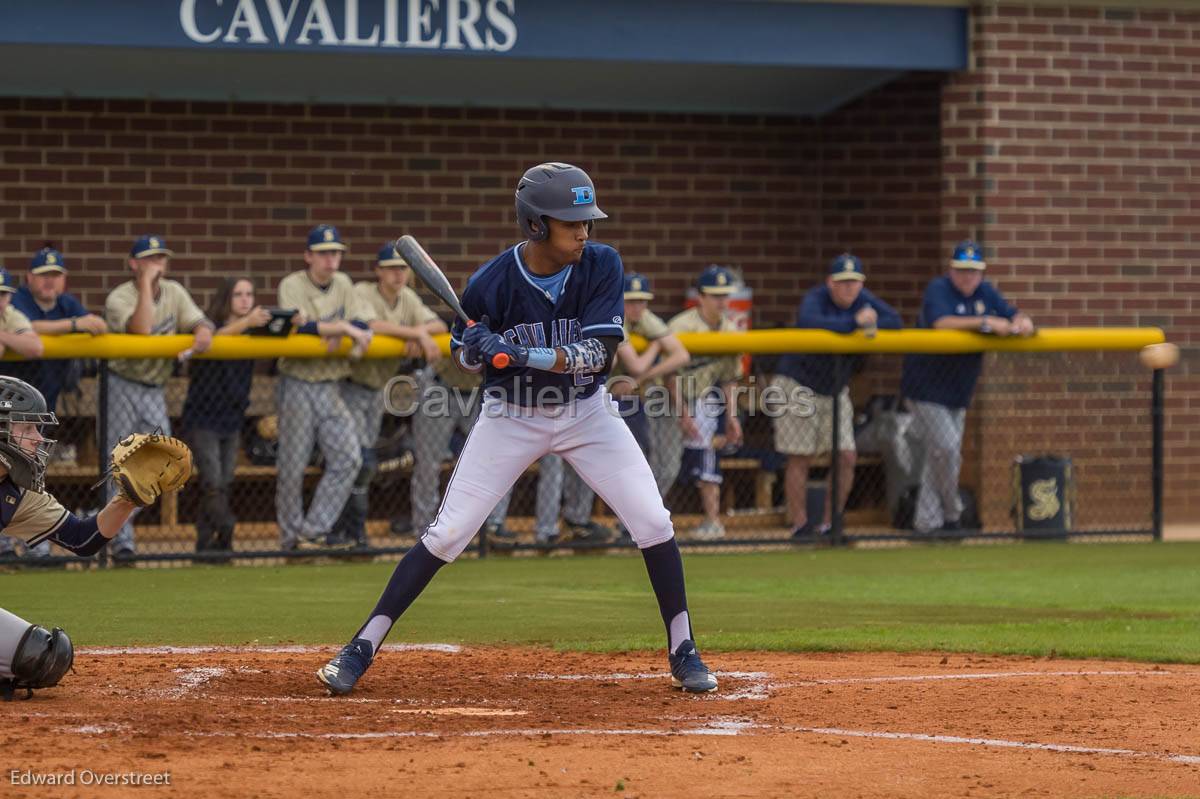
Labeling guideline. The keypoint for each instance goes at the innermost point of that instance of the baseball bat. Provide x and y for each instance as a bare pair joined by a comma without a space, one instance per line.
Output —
433,277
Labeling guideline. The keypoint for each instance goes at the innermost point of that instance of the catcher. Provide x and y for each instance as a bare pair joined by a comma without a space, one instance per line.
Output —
143,467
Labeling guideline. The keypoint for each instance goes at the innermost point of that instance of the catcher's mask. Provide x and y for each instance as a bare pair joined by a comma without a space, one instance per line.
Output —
24,419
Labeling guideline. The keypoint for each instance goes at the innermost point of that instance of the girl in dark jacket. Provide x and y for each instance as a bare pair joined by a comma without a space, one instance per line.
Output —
214,411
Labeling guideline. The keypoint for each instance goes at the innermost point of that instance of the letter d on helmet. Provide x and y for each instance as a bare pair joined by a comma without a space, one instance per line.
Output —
555,191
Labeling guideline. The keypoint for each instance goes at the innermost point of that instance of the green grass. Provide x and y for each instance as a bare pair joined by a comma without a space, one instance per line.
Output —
1128,601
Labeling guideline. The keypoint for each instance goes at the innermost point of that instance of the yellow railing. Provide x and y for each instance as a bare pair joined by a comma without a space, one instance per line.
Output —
756,342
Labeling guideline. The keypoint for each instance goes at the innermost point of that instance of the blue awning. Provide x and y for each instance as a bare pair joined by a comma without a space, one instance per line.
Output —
701,55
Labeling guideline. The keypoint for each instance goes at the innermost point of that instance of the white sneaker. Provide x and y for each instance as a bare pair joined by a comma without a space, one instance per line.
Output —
710,530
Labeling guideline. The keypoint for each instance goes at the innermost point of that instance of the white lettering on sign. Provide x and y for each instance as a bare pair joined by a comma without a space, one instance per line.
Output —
482,25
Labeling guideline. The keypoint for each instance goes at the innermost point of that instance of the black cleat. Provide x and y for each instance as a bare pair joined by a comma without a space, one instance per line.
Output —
340,674
688,671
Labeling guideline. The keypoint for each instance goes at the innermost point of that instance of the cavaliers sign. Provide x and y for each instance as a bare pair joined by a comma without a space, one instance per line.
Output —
479,25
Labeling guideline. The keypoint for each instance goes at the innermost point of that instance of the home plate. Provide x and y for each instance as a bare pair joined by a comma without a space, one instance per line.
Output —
461,711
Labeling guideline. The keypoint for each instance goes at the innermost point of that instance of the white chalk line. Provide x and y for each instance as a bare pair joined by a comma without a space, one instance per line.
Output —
715,727
757,690
996,742
995,675
256,650
719,727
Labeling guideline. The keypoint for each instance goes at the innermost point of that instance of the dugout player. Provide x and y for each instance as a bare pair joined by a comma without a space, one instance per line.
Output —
553,305
16,333
148,305
939,387
398,312
705,393
30,655
311,407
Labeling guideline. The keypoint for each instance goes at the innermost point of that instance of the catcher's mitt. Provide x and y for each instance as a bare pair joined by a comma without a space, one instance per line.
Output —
145,466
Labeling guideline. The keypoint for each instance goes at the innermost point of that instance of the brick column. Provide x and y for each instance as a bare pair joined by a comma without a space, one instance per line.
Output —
1070,151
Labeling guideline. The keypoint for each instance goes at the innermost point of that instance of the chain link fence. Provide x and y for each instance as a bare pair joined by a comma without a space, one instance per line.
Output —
1053,445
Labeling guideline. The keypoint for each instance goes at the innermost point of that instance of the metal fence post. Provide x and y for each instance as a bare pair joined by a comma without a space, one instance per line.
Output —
102,434
835,507
1156,458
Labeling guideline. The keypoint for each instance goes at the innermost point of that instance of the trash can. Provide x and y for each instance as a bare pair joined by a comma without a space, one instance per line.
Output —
1043,495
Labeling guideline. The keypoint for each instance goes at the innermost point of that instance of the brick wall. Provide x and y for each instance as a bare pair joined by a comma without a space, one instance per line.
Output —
235,187
1070,151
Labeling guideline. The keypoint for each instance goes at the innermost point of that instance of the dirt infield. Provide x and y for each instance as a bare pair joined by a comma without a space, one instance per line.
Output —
440,721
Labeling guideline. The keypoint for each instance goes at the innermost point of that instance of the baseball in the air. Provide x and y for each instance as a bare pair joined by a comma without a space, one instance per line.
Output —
1159,356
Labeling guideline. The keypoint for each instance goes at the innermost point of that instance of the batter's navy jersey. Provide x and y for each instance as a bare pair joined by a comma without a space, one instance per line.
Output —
591,304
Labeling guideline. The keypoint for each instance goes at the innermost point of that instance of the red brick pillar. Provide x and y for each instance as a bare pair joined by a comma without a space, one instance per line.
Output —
1070,151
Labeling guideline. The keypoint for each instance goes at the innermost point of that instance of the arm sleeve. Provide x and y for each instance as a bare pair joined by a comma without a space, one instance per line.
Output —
610,346
605,313
888,318
812,314
40,517
81,536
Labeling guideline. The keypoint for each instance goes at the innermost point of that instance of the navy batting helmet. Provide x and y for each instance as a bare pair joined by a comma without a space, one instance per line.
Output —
558,191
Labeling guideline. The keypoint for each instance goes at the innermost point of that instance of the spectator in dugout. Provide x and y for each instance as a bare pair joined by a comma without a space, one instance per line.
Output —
938,388
16,334
52,312
150,304
215,410
805,430
703,392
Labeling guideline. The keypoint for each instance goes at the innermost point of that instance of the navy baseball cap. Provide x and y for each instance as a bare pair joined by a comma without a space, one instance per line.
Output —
847,267
325,237
637,287
8,283
968,255
716,280
389,257
47,260
150,245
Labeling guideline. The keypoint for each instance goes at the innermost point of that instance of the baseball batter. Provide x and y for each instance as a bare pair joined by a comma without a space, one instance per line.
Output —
553,304
30,655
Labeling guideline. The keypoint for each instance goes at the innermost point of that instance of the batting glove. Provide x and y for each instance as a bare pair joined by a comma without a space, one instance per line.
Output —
472,337
495,345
